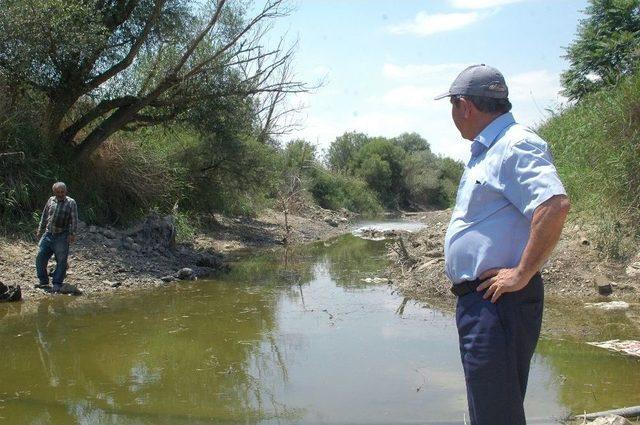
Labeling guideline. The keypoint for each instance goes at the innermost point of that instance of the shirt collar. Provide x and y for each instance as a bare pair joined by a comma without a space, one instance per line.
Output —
493,130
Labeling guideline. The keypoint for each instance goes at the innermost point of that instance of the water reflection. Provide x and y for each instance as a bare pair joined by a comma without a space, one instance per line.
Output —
348,260
589,378
185,356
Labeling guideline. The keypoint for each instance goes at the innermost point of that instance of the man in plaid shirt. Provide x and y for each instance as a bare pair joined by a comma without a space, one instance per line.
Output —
58,226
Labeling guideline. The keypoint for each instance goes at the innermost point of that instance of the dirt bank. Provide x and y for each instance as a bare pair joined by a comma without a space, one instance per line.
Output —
572,276
106,260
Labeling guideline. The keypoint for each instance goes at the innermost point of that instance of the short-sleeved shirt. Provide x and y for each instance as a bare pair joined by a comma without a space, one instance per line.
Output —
508,176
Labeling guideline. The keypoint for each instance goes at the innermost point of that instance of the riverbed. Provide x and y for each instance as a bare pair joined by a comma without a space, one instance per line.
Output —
304,335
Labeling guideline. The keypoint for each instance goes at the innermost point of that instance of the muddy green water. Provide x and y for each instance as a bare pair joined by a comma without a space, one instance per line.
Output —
286,337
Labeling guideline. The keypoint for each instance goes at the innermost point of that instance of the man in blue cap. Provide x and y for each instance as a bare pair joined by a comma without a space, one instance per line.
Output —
509,213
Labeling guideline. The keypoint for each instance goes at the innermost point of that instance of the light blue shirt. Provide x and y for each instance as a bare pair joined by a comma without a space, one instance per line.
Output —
509,175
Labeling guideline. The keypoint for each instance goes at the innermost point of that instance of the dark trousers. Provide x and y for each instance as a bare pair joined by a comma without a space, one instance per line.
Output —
497,342
49,245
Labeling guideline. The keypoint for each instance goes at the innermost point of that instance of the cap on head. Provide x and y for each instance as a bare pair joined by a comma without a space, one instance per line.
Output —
478,80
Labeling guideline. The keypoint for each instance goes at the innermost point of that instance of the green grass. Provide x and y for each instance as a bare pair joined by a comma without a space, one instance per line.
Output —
596,146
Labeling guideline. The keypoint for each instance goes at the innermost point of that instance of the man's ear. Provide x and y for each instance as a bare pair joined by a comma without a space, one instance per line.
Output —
469,108
466,106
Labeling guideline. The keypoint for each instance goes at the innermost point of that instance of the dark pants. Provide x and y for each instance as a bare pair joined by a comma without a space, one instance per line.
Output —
49,245
497,342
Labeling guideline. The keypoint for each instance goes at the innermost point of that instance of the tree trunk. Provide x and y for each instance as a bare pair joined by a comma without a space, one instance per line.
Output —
61,101
56,112
121,117
102,132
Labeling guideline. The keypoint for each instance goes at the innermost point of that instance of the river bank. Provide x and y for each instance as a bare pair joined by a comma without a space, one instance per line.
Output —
108,260
575,276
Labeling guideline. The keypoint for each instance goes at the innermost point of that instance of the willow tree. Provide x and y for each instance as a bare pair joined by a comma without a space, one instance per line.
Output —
115,65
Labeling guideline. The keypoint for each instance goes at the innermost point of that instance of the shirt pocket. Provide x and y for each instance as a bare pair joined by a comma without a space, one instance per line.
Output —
484,200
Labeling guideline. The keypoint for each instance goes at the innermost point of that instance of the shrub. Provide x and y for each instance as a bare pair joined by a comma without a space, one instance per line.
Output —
335,191
123,181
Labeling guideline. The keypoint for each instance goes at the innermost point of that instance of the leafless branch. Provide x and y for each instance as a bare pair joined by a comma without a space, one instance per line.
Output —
196,41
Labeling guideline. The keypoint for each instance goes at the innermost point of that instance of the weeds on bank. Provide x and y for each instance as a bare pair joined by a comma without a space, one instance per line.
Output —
186,227
596,146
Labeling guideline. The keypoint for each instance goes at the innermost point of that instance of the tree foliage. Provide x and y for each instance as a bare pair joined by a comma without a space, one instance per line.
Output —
379,163
111,65
299,156
336,190
401,171
607,47
596,147
343,149
140,104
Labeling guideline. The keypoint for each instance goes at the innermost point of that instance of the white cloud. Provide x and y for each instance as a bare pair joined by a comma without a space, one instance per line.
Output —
437,71
321,71
539,85
425,24
407,105
381,122
532,93
481,4
410,96
421,83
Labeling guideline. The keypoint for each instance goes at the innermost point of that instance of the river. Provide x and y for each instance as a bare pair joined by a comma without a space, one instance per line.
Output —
287,337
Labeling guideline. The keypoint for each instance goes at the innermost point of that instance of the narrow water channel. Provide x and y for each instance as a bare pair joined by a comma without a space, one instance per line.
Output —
287,337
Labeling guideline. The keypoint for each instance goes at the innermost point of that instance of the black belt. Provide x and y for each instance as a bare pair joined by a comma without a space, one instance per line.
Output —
466,286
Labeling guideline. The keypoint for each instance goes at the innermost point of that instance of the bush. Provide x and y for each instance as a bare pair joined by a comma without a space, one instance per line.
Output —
335,191
401,171
233,176
122,182
26,175
186,226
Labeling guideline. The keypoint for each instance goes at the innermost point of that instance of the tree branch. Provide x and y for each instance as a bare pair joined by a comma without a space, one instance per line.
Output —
99,110
196,41
266,13
133,52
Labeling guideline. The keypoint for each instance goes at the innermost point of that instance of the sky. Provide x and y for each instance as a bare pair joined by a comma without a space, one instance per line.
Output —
382,62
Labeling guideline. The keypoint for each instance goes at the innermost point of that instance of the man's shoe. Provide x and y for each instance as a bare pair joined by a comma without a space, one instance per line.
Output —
42,286
55,289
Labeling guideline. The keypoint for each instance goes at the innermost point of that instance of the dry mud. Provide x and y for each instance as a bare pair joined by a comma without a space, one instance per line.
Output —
572,276
107,260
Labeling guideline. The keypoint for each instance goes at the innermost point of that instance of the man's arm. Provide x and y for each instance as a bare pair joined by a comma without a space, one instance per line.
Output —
74,222
43,220
546,227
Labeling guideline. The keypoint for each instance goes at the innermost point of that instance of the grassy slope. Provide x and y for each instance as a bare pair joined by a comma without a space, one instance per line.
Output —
596,145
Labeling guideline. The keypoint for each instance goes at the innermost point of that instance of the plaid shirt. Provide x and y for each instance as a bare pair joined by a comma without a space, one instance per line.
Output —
59,216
